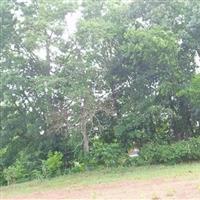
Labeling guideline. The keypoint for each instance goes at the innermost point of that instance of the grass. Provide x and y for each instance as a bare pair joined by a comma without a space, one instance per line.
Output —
105,175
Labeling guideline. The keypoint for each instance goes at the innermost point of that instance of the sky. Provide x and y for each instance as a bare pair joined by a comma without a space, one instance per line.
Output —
71,21
197,60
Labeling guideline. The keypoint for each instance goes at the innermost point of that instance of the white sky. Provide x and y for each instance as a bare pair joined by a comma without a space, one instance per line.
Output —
71,21
197,60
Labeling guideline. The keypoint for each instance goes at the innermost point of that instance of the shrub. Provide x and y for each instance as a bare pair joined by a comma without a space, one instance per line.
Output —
105,154
19,171
136,161
2,177
14,172
52,166
186,150
37,174
78,167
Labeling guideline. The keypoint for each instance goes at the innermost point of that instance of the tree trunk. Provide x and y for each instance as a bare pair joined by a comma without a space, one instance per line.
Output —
114,100
48,60
84,117
85,140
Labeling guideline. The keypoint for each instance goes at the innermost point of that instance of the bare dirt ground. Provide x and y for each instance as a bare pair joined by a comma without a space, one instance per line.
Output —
150,189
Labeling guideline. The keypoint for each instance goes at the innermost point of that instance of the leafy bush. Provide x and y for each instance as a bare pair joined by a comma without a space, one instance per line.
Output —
136,161
186,150
2,178
78,167
14,172
18,171
109,155
52,166
37,174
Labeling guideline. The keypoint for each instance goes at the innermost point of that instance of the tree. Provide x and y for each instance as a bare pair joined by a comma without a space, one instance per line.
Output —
30,81
192,93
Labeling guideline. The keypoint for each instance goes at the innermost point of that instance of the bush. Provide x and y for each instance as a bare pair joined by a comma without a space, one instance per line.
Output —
136,161
14,172
109,155
2,177
17,172
37,174
52,166
186,150
78,167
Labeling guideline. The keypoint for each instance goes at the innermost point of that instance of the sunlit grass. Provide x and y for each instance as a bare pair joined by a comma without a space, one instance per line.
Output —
105,175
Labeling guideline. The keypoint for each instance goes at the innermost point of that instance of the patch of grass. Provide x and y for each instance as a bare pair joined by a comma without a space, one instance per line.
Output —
103,175
198,188
171,193
155,197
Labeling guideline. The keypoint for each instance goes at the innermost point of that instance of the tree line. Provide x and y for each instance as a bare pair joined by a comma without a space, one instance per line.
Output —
128,73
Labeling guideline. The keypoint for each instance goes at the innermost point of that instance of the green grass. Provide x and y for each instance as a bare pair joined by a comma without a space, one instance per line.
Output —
105,175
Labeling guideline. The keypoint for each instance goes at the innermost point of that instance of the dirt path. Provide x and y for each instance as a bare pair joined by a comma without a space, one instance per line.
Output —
152,189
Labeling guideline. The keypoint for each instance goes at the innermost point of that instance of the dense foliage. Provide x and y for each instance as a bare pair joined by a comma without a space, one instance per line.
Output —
72,100
175,153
